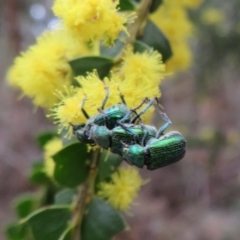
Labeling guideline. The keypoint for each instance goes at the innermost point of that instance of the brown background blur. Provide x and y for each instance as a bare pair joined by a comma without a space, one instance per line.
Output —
195,199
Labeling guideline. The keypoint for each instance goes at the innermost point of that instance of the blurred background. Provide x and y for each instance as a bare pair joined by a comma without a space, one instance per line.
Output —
195,199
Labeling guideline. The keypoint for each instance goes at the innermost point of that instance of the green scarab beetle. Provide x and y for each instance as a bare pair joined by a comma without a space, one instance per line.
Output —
110,117
158,151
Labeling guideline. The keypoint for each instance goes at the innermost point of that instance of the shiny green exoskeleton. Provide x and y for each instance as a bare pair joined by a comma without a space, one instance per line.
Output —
158,151
110,117
129,134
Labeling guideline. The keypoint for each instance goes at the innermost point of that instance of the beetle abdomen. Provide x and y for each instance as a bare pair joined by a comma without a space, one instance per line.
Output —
166,150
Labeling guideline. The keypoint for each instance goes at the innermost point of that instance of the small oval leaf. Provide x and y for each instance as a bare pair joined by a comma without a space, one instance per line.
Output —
65,196
81,66
155,5
71,165
139,46
49,223
25,204
102,221
155,38
67,234
126,5
108,164
116,48
38,174
44,137
16,231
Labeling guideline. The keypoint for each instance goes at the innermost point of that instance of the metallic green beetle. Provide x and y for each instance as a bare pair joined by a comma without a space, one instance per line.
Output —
111,117
156,152
127,133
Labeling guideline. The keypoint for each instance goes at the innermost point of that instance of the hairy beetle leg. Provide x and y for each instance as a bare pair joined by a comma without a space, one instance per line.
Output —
166,119
76,126
82,107
138,115
136,137
122,97
146,134
134,110
106,97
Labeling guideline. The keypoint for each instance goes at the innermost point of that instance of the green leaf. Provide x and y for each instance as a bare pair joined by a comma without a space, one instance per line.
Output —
155,38
49,223
25,204
102,221
67,234
16,231
108,164
38,175
155,5
81,66
139,46
43,138
71,165
126,5
113,51
65,196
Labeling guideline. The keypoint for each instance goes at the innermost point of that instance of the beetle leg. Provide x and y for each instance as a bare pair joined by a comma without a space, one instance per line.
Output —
127,116
77,126
136,137
150,103
166,125
106,97
134,110
147,159
104,116
125,144
143,142
122,97
82,109
100,110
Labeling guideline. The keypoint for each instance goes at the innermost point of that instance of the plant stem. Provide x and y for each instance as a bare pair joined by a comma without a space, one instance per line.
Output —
135,27
142,14
85,194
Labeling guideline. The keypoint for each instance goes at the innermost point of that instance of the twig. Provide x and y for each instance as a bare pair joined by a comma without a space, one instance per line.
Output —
85,194
134,28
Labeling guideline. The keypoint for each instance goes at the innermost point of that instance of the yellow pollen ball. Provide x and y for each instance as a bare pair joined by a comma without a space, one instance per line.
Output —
122,189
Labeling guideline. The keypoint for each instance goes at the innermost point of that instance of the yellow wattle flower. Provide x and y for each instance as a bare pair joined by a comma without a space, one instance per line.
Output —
122,188
212,16
44,68
192,3
50,148
173,20
182,58
142,68
93,89
91,19
138,77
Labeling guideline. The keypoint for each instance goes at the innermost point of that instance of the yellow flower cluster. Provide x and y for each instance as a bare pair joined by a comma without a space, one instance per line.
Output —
138,77
91,19
172,19
44,68
122,189
212,16
189,3
50,148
